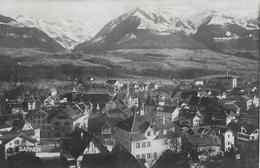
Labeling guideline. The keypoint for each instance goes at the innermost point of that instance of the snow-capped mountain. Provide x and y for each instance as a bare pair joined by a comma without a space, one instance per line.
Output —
145,28
14,34
66,32
168,28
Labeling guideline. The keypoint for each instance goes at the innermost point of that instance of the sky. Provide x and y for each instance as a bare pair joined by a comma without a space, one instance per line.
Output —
105,10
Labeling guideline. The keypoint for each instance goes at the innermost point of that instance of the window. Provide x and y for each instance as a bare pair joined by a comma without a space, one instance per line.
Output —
228,143
155,155
166,142
137,156
148,155
148,144
143,156
137,145
16,142
228,135
149,133
143,144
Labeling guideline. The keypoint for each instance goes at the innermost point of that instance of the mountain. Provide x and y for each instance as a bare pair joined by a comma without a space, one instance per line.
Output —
144,28
219,31
174,28
14,34
67,32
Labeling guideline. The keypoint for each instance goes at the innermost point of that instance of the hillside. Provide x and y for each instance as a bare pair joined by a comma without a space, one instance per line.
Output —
15,35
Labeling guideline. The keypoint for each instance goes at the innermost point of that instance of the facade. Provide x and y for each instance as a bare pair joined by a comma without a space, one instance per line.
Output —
143,138
223,136
40,118
70,117
78,144
248,133
12,143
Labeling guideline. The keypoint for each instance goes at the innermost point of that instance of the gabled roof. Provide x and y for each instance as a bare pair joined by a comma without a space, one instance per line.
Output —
95,124
119,157
80,139
8,136
169,159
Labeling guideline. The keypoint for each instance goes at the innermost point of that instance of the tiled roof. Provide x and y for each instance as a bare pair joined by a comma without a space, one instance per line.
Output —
202,141
80,139
8,136
119,157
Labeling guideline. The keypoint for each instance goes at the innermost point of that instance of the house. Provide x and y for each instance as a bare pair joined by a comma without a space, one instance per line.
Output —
133,100
26,127
170,159
185,118
78,144
199,103
224,136
205,144
66,119
164,114
97,121
116,84
119,157
199,82
248,132
231,107
251,101
50,101
228,82
40,118
176,140
13,142
142,137
183,95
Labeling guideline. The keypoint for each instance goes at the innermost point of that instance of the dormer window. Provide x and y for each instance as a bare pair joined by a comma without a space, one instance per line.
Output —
148,133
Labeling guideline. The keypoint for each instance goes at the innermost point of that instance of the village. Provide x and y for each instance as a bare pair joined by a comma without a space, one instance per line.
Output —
210,122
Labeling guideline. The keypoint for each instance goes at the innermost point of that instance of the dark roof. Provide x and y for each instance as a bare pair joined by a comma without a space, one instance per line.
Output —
117,111
168,109
112,82
95,124
80,139
202,141
126,124
169,159
8,136
119,157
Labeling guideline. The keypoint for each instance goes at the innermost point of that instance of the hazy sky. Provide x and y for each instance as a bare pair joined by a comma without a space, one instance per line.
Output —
95,10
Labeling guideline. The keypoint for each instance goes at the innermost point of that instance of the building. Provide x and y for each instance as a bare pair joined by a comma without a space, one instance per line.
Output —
68,118
78,144
224,136
248,132
164,114
13,142
119,157
205,144
142,137
40,119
